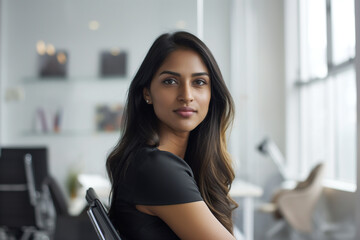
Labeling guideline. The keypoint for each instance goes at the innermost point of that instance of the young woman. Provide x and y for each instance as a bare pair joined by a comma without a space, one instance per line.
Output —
170,171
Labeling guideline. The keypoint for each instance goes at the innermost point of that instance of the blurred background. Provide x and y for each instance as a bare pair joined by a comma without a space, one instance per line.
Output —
65,67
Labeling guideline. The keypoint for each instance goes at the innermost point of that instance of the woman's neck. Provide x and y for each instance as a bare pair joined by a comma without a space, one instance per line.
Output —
175,143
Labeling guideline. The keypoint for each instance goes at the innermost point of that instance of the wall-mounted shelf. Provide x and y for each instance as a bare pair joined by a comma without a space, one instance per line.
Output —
69,133
79,79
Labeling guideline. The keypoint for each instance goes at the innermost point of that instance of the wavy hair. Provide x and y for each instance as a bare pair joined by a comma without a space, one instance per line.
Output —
206,151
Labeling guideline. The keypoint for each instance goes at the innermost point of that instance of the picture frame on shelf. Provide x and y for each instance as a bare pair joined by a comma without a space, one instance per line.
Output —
108,117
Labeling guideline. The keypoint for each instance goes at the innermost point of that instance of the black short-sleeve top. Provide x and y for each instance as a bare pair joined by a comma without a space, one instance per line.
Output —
154,177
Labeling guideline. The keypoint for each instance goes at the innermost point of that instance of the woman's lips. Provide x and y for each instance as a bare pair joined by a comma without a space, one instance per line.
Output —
185,112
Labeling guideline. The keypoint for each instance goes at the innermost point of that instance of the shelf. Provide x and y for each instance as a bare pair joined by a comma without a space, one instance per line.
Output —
80,79
85,133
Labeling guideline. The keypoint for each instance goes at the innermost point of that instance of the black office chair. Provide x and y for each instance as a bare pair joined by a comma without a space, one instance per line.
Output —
25,203
99,218
58,196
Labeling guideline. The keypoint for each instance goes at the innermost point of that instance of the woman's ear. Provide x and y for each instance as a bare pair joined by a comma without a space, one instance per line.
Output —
147,96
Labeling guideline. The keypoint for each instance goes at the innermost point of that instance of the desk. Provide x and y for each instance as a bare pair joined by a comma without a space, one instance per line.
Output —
247,191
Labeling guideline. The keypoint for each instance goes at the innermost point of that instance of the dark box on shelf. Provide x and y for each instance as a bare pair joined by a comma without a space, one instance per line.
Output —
54,65
113,64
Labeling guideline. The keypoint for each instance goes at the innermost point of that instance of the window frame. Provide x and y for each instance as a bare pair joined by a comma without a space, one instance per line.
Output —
295,85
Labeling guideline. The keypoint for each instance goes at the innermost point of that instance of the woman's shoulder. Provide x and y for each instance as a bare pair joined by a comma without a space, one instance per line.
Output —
162,178
153,158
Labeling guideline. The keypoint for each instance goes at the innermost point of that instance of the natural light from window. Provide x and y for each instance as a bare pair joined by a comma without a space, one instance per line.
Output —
327,87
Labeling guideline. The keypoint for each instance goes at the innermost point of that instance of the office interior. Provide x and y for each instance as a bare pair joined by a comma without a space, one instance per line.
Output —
294,92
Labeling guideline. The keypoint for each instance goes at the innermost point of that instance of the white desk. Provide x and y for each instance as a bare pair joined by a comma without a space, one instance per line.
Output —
247,191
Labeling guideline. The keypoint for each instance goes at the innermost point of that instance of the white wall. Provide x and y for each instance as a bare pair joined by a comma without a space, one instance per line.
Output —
1,102
357,195
269,90
258,84
1,76
217,33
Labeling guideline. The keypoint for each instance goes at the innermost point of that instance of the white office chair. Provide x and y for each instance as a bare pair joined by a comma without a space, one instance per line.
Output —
296,206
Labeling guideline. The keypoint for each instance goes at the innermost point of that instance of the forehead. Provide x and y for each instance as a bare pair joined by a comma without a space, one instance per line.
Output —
183,60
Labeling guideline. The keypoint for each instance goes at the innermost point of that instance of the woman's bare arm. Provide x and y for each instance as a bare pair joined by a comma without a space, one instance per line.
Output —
190,221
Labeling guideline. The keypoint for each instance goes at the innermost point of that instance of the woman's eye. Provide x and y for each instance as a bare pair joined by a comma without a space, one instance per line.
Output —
169,81
200,82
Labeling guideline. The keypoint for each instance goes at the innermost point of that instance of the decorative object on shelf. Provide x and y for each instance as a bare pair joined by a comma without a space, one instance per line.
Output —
113,63
57,120
14,94
109,117
40,121
52,62
46,121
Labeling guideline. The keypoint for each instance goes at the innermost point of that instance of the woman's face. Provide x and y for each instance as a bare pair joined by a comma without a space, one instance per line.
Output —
180,91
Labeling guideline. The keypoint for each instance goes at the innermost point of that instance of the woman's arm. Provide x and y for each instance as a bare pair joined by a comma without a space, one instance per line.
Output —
190,220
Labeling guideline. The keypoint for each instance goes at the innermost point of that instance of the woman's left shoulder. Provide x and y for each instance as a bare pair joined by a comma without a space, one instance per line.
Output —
153,158
163,178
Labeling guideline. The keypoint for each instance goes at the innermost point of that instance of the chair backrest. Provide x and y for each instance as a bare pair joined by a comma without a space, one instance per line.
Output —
12,169
58,196
99,218
16,207
297,205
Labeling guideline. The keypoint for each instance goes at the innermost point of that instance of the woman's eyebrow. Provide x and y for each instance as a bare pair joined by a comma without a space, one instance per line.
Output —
179,75
171,73
199,74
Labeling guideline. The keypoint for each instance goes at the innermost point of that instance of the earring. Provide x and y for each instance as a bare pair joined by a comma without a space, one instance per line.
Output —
147,100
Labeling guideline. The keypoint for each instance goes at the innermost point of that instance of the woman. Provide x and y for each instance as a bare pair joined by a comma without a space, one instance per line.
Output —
170,171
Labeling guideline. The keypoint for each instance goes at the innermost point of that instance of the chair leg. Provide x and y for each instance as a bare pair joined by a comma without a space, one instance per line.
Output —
41,236
238,234
34,234
295,235
27,233
278,226
3,234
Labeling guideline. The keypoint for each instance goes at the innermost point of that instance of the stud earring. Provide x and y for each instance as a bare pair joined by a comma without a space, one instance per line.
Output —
147,100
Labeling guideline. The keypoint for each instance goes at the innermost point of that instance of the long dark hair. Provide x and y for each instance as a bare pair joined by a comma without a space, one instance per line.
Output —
206,152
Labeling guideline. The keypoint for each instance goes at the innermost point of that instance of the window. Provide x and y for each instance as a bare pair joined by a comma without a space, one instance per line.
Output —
327,87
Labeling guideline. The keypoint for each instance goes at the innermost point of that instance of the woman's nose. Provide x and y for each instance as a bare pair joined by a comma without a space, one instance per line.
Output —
185,93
